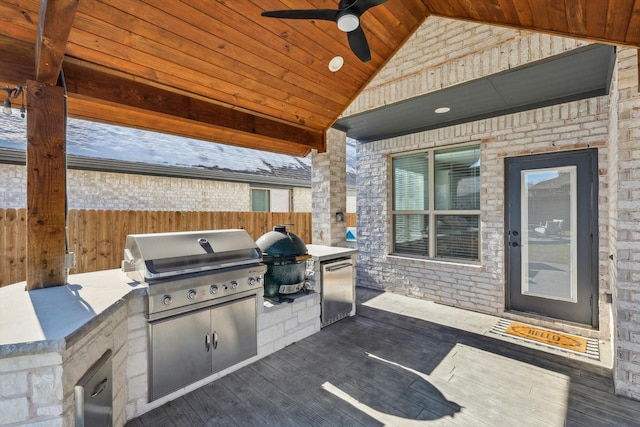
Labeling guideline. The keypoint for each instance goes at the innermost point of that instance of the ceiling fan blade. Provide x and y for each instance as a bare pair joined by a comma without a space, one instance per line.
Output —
317,14
363,5
358,44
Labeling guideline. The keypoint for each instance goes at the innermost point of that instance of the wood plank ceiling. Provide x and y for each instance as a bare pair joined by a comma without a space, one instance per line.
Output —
219,71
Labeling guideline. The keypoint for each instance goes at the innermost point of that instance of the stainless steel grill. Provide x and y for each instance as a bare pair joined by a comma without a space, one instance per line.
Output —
203,291
187,270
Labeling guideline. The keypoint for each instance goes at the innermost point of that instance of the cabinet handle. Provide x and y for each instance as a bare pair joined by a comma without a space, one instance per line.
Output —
207,342
339,266
215,340
100,387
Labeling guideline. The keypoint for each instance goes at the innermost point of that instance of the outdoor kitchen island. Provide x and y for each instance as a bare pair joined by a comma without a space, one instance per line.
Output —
49,339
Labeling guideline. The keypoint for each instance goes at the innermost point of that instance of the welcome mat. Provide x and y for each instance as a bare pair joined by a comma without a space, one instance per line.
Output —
558,340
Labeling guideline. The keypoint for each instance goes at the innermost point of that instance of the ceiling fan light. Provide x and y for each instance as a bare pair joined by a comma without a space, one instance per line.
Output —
348,22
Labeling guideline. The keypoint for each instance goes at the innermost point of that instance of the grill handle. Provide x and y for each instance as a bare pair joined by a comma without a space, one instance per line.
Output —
128,263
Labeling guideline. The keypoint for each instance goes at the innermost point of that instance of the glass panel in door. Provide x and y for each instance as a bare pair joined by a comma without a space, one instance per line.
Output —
549,247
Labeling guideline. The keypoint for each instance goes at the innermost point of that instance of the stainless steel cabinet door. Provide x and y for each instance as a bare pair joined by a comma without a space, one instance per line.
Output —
180,353
337,290
234,333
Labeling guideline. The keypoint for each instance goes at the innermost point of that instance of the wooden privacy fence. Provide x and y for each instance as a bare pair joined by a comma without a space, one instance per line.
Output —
98,237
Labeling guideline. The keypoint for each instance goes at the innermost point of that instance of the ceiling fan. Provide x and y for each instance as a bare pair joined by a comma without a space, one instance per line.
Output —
347,17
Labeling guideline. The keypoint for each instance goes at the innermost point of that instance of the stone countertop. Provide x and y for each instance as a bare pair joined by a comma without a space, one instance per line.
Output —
325,253
49,319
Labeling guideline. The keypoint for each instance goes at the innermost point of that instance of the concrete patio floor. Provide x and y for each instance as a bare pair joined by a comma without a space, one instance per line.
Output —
406,362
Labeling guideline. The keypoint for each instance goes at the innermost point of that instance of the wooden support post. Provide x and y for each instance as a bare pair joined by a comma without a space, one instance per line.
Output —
46,186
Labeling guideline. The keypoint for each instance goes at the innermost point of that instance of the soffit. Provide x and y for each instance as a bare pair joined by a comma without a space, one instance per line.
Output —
579,74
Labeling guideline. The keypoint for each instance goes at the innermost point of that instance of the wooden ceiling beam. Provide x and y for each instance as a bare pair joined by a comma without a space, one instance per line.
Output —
121,115
99,90
17,61
189,115
54,27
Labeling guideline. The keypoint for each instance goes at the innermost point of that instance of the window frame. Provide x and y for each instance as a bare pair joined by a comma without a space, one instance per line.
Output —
269,193
431,212
268,200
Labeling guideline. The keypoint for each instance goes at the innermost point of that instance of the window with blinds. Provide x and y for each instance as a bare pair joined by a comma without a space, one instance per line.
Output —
436,203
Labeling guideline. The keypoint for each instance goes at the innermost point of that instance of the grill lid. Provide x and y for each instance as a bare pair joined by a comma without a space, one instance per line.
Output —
281,244
158,255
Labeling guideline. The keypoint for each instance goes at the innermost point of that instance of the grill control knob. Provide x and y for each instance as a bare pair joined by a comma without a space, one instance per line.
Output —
252,281
213,289
191,294
234,284
166,300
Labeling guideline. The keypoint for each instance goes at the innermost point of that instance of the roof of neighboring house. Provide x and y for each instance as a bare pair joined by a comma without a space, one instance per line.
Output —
97,146
551,180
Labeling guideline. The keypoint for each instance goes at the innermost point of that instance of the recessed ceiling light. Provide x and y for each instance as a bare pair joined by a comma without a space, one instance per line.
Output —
336,63
442,110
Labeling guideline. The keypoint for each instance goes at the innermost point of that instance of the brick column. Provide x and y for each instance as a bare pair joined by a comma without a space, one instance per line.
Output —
626,264
329,191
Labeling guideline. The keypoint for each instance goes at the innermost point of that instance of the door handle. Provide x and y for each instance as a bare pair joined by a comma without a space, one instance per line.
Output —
515,244
215,340
207,342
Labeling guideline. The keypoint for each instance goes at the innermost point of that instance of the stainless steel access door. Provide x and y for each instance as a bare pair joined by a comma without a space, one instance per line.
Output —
180,352
234,333
337,290
94,395
192,346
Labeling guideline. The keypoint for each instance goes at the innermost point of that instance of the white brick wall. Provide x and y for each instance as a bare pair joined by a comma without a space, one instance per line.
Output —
302,199
13,188
441,60
625,227
329,186
31,389
284,324
119,191
444,53
136,361
612,180
116,191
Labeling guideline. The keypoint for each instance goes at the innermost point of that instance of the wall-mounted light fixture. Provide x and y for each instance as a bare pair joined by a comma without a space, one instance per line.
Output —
13,94
339,217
